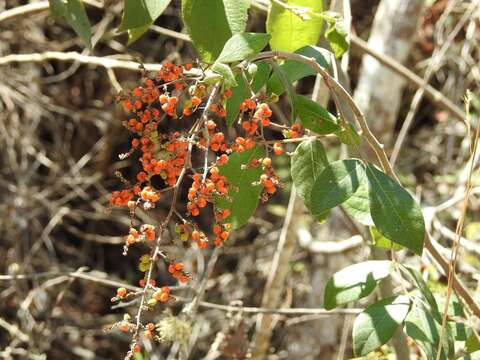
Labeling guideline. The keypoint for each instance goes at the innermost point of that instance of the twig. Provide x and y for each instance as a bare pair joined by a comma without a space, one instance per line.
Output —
459,229
278,272
430,92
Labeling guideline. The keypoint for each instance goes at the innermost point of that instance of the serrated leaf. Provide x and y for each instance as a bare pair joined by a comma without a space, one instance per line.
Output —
241,46
380,241
308,161
337,34
141,13
313,116
377,323
295,70
289,32
335,184
242,203
226,72
242,92
394,212
355,282
358,205
425,330
210,23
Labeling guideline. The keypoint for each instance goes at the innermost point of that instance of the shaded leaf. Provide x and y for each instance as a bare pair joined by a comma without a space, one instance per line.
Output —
335,184
75,15
210,23
141,13
425,330
295,70
394,212
377,323
289,32
241,46
473,356
242,203
348,135
313,116
135,33
355,282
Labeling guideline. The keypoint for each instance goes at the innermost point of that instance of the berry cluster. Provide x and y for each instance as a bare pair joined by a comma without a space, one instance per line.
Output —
176,121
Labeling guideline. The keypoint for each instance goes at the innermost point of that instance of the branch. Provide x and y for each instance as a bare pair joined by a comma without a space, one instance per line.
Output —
378,148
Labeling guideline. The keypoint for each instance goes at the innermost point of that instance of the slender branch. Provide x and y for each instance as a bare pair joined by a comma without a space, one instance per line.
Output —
378,148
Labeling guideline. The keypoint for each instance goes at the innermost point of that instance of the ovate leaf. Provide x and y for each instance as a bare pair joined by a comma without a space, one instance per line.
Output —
290,32
335,184
355,282
425,330
210,23
135,33
295,70
377,323
394,211
243,196
308,161
313,116
241,46
141,13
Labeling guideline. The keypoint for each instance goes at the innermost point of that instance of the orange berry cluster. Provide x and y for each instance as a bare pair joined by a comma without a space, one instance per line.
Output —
177,272
177,98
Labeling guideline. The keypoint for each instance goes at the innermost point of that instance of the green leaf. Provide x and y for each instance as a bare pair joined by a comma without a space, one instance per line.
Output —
141,13
394,212
314,117
242,92
381,241
241,46
425,330
358,205
210,23
337,34
355,282
226,72
242,203
289,32
135,33
57,8
336,184
421,285
472,344
377,323
308,161
295,70
75,15
348,135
